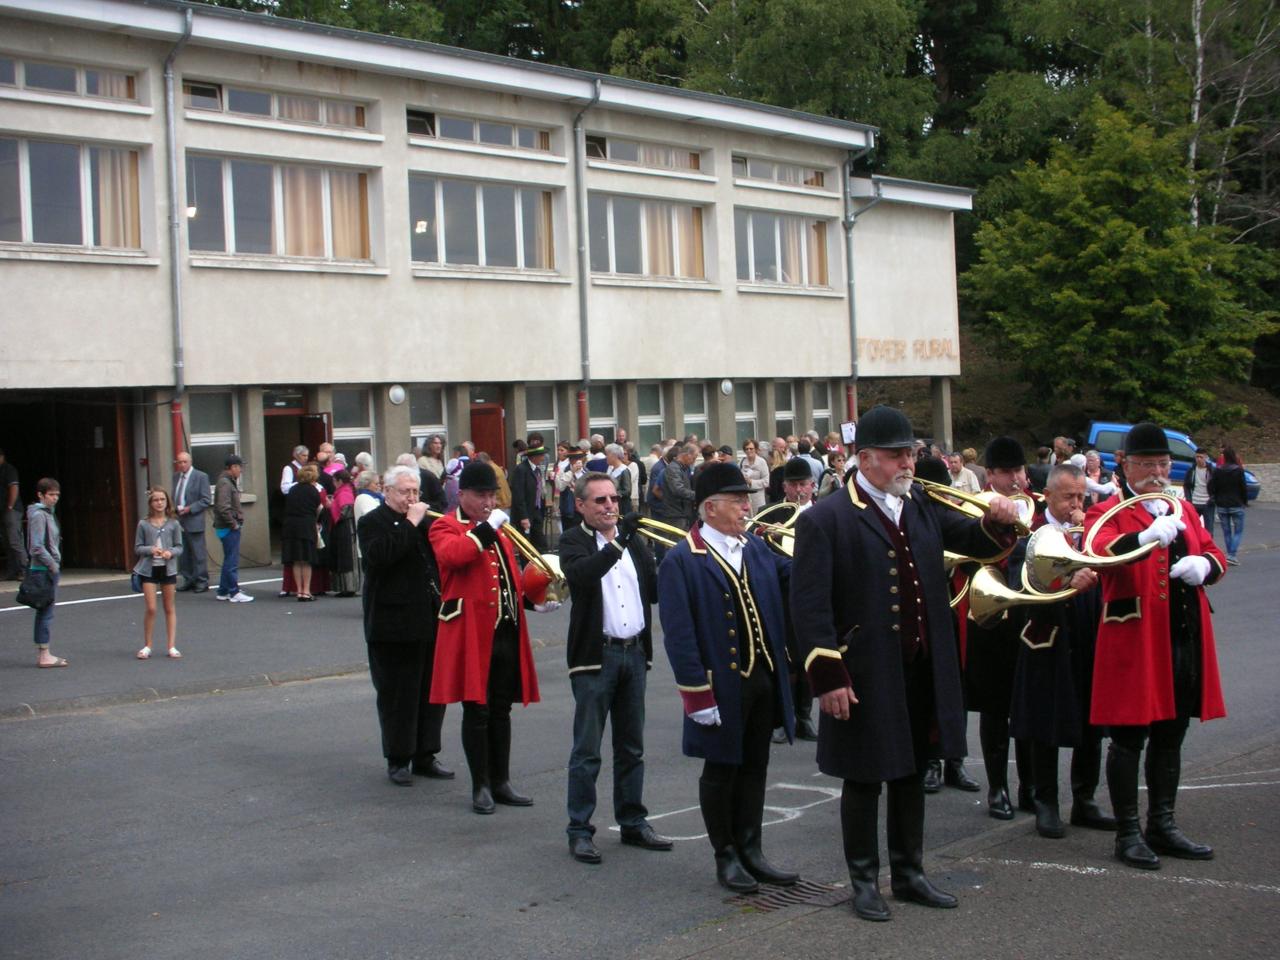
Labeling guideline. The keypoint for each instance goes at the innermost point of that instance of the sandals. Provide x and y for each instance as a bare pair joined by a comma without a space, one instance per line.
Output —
144,653
55,662
174,654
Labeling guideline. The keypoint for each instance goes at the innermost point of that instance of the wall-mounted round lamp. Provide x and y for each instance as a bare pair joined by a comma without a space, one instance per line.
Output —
396,394
726,387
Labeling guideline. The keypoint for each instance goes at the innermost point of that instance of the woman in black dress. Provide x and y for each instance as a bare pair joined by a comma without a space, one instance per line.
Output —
299,536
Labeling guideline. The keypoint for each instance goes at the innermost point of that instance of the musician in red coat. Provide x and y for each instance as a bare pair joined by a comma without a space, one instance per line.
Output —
1155,665
483,657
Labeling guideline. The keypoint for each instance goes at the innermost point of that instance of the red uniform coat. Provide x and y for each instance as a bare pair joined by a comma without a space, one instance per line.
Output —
1133,665
470,587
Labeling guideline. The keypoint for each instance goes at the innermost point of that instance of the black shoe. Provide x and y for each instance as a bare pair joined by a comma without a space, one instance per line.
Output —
400,776
933,777
284,593
779,735
1048,821
805,730
954,775
505,794
1133,850
184,587
200,588
432,768
646,838
919,890
1087,813
482,800
1026,799
733,875
583,849
998,804
1166,838
868,903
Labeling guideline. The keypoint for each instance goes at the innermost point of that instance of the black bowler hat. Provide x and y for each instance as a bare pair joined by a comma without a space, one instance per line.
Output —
796,470
1004,453
719,478
1146,438
478,476
884,427
234,460
931,468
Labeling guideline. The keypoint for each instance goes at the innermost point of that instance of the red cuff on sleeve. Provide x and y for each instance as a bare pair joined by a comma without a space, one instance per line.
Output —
697,700
827,674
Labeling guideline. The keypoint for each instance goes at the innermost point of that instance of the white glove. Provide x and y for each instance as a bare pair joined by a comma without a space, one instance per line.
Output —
550,606
497,518
1192,571
709,717
1165,530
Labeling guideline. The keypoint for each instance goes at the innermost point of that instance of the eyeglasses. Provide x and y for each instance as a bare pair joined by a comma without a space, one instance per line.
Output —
607,498
1162,464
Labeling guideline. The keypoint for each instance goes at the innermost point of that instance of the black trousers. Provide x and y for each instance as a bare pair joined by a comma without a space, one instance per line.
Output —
401,674
486,727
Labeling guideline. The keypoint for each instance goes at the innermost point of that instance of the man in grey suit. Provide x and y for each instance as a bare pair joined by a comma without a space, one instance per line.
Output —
192,497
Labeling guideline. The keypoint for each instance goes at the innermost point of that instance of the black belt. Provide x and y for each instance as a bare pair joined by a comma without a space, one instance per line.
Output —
623,642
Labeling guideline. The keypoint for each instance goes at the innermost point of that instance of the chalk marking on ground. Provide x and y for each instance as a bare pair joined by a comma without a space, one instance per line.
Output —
782,814
1130,874
1242,773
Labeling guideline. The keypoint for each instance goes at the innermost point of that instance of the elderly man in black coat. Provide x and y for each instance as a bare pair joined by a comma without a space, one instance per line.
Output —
870,604
401,599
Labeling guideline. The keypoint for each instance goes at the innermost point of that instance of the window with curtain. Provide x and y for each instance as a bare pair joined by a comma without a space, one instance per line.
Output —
68,78
660,156
650,238
468,223
780,248
285,107
492,133
795,175
323,212
43,199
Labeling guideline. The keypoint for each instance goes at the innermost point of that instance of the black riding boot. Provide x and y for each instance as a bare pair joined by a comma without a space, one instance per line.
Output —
1164,765
1026,775
747,814
475,744
933,777
1086,765
859,815
955,775
1048,821
905,825
716,802
500,761
805,727
1122,782
994,736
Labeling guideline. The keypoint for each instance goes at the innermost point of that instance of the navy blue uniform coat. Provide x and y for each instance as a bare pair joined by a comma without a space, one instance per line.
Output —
697,607
844,589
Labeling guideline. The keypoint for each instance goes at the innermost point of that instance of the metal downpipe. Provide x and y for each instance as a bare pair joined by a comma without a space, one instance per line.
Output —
850,219
175,237
584,267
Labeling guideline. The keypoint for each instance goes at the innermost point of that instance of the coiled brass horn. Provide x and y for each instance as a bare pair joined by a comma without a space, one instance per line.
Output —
1175,512
547,582
990,598
977,505
779,534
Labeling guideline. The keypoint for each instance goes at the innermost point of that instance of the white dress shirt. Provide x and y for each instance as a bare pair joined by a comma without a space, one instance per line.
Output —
890,504
620,592
729,548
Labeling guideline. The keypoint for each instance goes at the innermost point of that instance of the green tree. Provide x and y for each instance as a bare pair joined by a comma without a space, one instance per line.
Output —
1103,289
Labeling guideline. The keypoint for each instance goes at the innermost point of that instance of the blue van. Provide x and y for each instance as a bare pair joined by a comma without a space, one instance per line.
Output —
1107,438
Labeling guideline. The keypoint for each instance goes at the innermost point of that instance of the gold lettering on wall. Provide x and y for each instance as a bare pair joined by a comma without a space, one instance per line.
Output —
890,350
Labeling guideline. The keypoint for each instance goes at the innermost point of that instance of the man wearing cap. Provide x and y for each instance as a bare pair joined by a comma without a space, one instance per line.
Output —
612,581
1156,665
869,599
720,600
483,658
991,656
228,518
526,495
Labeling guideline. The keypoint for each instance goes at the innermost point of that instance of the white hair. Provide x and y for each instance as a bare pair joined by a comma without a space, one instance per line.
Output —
615,449
1077,460
364,460
392,477
407,460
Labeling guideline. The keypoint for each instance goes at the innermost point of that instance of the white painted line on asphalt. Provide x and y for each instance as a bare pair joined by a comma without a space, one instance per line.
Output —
783,814
1128,874
129,596
1217,786
1242,773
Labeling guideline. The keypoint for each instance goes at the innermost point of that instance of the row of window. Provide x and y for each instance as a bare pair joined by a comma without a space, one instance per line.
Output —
65,78
84,195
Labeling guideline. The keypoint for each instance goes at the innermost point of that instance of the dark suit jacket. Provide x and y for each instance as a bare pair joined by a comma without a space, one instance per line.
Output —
431,490
198,496
524,491
584,567
401,584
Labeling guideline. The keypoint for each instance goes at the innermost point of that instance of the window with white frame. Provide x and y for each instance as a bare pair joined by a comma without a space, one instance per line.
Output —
540,413
266,105
215,430
69,193
780,248
784,408
276,209
427,415
352,422
601,410
695,409
650,423
648,238
658,155
471,223
791,174
744,412
821,407
489,133
42,77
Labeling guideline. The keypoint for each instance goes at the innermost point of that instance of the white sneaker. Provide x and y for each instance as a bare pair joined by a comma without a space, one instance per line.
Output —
241,597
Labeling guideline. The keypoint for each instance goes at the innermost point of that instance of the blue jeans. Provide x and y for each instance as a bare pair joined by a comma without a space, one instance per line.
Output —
229,582
617,691
1206,511
45,617
1232,528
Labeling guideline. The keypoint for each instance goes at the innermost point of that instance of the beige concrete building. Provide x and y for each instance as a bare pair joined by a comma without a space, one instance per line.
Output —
282,231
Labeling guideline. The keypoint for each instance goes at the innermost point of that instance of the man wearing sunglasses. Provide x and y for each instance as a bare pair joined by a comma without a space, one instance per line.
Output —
610,649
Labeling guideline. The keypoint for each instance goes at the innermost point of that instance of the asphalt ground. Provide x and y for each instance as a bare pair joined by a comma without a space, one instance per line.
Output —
234,804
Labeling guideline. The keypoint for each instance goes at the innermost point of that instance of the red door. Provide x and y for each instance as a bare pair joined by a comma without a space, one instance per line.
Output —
488,431
316,430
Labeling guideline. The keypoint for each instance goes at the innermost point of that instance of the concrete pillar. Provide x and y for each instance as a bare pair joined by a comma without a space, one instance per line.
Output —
766,412
391,423
673,408
515,408
625,404
255,483
567,411
940,389
721,428
802,397
457,401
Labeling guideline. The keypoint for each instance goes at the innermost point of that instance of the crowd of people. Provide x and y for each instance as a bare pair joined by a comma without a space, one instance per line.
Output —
873,611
